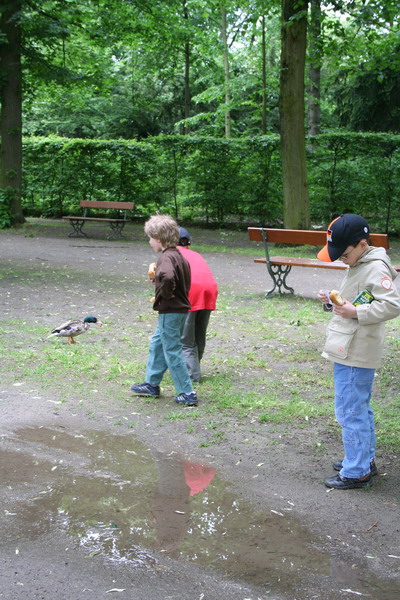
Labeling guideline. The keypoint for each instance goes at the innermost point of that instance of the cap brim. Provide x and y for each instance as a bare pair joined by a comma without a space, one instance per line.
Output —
329,253
324,254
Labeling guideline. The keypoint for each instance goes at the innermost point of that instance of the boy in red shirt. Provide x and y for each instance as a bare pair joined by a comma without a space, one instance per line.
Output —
202,297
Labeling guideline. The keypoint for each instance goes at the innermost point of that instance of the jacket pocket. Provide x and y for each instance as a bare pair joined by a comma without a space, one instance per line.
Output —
340,335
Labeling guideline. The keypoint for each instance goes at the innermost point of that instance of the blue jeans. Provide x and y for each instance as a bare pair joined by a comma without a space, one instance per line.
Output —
165,352
353,387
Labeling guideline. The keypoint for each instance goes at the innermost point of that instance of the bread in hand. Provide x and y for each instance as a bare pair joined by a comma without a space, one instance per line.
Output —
152,272
336,298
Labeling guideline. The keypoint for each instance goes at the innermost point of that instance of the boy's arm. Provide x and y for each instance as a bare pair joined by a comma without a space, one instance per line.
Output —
166,279
386,303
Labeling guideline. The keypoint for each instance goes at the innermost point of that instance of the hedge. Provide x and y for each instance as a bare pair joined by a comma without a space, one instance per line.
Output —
214,180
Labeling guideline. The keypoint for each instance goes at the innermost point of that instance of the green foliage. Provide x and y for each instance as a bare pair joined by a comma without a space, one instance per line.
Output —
60,172
5,212
215,180
195,178
358,173
360,86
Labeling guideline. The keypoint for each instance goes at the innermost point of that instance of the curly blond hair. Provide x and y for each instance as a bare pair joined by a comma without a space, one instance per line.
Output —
163,228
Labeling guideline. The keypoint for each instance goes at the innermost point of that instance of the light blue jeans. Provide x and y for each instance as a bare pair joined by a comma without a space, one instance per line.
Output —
353,386
165,352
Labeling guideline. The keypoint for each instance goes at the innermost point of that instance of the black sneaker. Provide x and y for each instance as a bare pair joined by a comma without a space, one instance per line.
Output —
146,389
187,399
338,465
346,483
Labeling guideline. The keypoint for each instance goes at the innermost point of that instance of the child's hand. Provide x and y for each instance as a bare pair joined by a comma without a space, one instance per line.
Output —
323,297
347,311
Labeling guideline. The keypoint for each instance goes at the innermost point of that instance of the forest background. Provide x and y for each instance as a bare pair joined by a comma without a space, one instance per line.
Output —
215,111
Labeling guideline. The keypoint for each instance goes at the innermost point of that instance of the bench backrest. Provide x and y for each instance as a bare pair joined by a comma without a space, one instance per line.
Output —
105,204
301,237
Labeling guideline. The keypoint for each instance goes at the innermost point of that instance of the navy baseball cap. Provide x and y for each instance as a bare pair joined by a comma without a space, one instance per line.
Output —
183,235
344,231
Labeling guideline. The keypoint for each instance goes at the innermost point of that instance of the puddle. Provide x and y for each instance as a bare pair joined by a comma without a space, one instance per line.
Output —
119,499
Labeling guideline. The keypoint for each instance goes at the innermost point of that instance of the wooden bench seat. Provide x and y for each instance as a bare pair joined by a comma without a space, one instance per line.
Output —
116,224
279,267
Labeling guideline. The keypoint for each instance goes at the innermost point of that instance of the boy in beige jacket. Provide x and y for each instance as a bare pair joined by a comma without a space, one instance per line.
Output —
355,338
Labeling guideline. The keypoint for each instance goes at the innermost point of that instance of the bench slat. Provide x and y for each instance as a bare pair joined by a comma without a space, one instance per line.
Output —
95,219
308,262
303,237
302,262
105,204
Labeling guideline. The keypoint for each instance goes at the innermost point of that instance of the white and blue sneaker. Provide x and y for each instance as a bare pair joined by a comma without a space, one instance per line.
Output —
187,399
146,389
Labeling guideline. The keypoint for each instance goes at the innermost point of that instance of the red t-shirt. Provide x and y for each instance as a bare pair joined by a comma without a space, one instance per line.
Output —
203,287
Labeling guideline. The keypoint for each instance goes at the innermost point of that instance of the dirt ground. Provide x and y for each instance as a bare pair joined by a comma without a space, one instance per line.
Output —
321,544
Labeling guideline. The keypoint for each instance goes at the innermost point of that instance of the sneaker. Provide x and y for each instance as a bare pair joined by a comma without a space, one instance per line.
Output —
338,465
345,483
146,389
187,399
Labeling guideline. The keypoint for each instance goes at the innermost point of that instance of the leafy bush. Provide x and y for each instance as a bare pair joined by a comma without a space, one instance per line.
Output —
5,213
214,180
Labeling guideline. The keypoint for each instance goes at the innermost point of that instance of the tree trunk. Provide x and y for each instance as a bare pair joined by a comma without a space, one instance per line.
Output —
315,53
291,107
187,74
264,78
11,108
227,76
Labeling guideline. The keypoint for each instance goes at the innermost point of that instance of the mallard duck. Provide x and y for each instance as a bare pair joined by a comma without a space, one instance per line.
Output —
71,329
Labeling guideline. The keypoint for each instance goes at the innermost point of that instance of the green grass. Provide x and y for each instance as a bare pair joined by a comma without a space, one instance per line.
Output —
262,362
250,381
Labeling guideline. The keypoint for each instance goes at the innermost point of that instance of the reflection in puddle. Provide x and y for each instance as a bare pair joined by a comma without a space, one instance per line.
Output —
124,501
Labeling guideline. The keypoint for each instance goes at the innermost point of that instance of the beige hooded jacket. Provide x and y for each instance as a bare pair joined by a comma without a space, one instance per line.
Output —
359,342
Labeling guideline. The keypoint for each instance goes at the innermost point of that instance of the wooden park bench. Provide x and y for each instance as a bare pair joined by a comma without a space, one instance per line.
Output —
116,224
279,267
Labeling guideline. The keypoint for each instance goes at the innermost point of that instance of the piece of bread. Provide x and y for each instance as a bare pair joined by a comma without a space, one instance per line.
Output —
152,271
336,298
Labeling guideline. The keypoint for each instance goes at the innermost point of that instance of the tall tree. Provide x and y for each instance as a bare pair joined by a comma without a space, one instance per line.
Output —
187,72
227,85
11,108
291,110
315,53
263,77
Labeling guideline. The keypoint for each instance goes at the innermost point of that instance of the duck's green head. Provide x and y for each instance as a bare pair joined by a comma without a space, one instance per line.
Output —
91,320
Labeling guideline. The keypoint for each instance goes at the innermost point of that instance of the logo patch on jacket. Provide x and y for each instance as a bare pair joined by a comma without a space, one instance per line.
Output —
386,283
